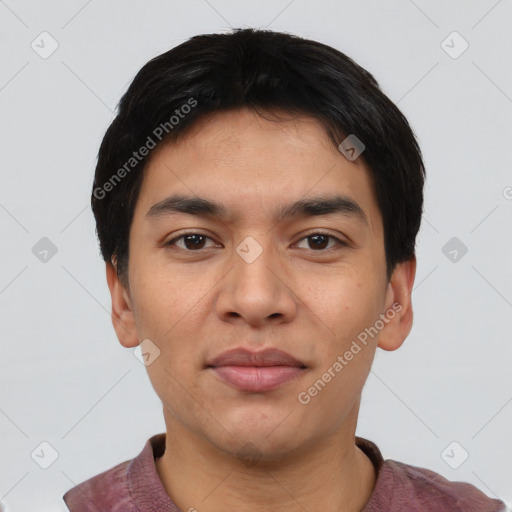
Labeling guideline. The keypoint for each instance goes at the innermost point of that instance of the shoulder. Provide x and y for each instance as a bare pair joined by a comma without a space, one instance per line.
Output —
418,489
121,487
105,491
402,487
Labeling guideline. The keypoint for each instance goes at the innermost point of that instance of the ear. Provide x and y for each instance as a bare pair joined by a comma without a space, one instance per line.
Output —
122,313
398,300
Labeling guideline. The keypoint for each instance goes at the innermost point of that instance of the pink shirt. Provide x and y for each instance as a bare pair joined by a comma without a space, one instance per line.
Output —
134,486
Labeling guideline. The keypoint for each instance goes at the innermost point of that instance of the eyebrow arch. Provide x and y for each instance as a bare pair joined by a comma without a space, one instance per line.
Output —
309,207
323,205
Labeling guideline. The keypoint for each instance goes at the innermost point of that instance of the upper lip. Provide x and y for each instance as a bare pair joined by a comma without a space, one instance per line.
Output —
245,357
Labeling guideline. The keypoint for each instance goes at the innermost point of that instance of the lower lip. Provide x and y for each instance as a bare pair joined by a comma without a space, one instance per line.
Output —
257,379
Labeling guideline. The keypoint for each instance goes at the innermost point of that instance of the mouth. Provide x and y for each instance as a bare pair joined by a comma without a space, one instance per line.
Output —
256,371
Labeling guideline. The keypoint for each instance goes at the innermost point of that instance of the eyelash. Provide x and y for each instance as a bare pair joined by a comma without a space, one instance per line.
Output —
183,235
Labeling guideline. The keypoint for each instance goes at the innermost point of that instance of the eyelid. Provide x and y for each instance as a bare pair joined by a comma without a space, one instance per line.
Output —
182,235
340,241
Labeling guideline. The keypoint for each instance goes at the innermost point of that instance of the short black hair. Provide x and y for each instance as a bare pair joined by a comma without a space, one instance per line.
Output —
260,70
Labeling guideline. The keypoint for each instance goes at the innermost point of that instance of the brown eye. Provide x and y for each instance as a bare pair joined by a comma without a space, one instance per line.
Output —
191,241
320,241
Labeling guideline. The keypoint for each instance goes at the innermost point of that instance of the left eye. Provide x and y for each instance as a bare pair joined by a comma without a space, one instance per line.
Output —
320,240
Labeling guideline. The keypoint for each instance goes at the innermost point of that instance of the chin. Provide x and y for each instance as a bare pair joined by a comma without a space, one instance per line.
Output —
269,439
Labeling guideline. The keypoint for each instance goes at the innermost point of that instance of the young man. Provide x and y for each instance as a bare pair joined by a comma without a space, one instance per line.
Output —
257,200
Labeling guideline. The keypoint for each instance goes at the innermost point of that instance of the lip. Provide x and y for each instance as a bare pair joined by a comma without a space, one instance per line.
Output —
245,357
252,371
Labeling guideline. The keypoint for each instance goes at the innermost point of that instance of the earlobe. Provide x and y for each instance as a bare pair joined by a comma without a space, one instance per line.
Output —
398,306
122,314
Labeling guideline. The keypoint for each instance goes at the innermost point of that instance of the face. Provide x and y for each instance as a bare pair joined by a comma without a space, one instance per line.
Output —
308,283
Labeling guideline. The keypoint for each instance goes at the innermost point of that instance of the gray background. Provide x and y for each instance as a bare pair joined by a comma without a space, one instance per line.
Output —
65,378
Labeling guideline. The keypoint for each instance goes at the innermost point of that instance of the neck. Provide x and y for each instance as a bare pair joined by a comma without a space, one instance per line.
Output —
331,475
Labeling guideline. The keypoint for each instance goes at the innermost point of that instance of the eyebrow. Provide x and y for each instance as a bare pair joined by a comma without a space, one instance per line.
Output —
309,207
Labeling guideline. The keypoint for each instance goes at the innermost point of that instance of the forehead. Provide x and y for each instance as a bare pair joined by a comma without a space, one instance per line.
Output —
243,132
253,163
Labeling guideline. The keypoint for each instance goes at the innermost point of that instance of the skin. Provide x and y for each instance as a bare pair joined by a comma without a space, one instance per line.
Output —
312,303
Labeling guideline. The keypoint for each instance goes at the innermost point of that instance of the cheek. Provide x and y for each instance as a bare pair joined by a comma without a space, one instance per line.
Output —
344,302
168,311
346,356
173,374
162,299
350,309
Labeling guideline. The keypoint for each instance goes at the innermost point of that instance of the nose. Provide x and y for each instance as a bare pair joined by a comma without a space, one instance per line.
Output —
257,291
